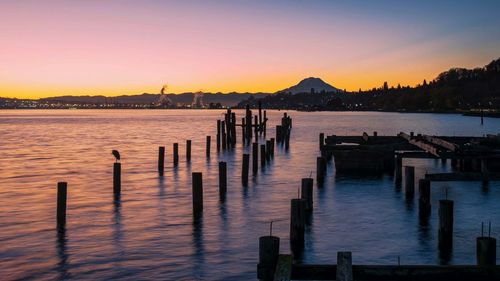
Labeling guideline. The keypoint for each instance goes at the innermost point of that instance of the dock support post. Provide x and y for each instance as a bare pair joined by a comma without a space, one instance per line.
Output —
161,160
117,178
306,193
269,249
424,199
262,155
278,134
268,150
445,233
398,165
243,130
409,181
222,180
344,266
321,140
297,225
486,251
197,183
176,154
272,147
218,135
245,167
62,194
255,157
223,135
209,140
320,169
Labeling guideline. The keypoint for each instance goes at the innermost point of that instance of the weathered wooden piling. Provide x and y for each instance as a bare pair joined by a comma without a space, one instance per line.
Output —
445,233
233,129
248,123
62,194
223,136
486,251
306,192
297,224
222,180
278,133
262,155
161,160
409,181
398,169
272,147
117,178
255,157
244,168
320,169
269,249
268,150
218,135
344,266
265,123
321,140
207,149
260,116
197,183
188,150
424,199
256,128
176,154
243,130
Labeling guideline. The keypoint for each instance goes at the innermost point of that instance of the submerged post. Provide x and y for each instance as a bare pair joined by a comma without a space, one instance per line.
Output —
344,266
262,155
244,168
424,200
197,183
306,192
222,180
209,139
297,224
486,251
269,249
409,181
161,160
445,224
255,157
62,193
117,178
398,177
188,150
176,154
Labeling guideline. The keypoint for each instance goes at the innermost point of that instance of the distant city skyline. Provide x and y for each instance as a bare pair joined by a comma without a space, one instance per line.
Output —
52,48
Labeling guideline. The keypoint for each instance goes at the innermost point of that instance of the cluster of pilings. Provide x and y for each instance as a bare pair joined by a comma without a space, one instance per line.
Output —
256,128
283,130
226,131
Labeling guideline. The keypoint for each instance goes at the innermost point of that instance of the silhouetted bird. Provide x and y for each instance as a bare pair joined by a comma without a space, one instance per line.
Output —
116,154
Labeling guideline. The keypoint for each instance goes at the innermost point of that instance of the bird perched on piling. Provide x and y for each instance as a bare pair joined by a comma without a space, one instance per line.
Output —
116,154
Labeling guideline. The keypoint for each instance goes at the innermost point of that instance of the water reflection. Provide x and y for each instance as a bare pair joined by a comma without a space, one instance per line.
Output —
62,264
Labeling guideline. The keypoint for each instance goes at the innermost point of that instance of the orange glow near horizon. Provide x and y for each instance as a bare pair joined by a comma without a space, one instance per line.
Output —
127,47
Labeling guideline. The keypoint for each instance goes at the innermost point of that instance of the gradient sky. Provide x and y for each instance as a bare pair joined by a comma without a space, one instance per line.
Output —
109,47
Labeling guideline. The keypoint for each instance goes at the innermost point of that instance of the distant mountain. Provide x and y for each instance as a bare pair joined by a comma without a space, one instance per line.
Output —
309,85
229,99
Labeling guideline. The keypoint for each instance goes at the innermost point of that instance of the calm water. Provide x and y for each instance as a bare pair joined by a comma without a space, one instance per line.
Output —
149,233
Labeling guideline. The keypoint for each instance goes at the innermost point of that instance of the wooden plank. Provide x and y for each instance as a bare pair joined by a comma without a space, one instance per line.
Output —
445,144
425,146
283,268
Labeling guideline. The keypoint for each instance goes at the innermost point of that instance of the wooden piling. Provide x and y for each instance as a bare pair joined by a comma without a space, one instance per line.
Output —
243,131
197,184
272,147
218,135
297,224
176,154
207,149
265,123
262,155
161,160
260,116
222,180
255,157
306,192
256,128
486,251
188,150
321,140
268,150
269,249
424,199
117,178
398,169
445,233
278,133
344,266
409,181
62,194
248,123
223,136
320,169
244,168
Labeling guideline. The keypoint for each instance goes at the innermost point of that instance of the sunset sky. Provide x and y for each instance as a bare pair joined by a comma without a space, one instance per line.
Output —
92,47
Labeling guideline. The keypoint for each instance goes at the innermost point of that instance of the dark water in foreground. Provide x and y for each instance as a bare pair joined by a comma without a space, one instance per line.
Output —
149,233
